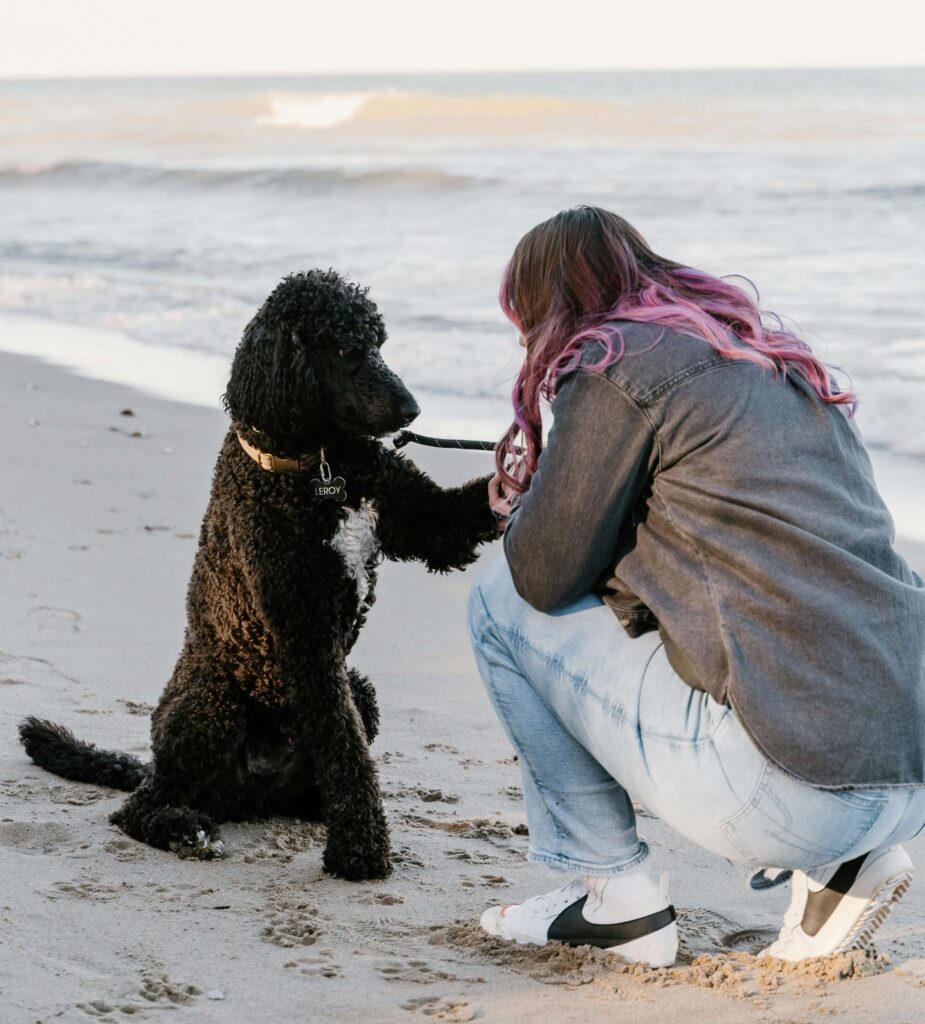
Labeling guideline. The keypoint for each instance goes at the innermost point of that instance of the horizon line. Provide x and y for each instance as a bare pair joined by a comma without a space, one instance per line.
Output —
187,75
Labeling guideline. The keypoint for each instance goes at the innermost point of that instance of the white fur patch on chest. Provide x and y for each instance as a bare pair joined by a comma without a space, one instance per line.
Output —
356,542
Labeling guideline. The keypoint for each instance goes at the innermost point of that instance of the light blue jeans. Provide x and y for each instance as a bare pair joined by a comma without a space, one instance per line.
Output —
598,718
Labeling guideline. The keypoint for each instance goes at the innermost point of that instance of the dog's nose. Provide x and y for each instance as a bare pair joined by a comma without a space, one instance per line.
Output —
409,410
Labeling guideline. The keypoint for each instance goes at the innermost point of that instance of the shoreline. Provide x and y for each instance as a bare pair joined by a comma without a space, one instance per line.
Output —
198,378
97,532
194,377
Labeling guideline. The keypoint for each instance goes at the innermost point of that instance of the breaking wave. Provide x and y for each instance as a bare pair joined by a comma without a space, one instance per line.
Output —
89,173
423,111
292,110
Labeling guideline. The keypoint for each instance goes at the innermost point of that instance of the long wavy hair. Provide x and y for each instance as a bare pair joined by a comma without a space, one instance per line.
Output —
586,266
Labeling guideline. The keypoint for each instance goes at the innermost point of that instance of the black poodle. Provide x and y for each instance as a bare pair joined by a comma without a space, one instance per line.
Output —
262,715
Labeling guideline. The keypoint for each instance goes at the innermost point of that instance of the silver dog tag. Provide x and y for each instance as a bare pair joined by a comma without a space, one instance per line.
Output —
328,487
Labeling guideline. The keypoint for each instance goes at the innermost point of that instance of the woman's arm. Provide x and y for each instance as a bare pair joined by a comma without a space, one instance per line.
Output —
594,467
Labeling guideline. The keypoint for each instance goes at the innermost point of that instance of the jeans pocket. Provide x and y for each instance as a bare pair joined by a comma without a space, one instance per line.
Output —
790,824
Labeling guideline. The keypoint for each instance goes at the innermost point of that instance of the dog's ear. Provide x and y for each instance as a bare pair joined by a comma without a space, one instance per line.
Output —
273,386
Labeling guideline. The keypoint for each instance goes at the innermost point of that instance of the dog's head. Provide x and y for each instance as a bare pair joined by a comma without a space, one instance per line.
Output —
309,365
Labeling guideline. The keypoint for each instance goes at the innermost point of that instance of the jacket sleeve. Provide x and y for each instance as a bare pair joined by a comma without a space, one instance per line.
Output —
593,469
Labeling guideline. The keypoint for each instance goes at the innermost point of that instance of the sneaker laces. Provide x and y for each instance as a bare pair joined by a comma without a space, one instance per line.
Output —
558,899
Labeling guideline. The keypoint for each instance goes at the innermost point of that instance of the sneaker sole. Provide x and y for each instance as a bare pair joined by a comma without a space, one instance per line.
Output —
660,949
881,904
872,910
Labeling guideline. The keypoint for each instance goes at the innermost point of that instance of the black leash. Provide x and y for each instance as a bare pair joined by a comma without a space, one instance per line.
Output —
406,436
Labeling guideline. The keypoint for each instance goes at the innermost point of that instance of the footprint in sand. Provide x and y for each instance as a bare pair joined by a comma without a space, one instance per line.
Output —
419,972
88,889
406,857
316,966
455,1010
55,620
33,837
704,931
156,992
99,1010
158,989
16,670
473,828
475,857
382,899
443,748
296,925
126,850
749,940
76,796
279,842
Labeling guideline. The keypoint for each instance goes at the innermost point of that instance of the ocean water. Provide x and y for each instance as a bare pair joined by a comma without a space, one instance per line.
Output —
165,210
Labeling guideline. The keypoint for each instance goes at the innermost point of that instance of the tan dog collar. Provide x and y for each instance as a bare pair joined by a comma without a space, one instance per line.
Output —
276,463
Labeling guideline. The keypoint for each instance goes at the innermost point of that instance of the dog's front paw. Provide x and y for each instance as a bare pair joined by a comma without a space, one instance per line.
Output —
187,833
198,847
355,862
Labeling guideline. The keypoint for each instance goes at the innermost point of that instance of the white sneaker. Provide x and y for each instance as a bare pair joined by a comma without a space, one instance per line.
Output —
838,908
627,914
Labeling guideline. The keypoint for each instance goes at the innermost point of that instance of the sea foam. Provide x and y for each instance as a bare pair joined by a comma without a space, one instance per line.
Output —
312,110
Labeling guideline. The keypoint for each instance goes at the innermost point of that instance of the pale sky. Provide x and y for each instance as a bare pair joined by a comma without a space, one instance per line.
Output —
52,38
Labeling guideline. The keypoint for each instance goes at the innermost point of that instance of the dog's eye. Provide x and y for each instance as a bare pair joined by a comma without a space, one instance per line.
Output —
353,357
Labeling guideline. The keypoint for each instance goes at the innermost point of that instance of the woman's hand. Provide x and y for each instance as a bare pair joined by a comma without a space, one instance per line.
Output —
499,501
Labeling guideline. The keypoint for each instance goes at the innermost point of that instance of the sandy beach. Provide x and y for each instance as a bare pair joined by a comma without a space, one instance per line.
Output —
99,514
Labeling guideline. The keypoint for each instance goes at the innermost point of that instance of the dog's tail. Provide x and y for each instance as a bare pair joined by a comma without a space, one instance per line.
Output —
57,749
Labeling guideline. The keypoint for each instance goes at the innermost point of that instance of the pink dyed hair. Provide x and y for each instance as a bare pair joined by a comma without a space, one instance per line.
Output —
586,266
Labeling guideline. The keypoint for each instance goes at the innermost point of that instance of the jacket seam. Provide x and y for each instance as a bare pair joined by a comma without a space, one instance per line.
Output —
683,375
663,387
639,406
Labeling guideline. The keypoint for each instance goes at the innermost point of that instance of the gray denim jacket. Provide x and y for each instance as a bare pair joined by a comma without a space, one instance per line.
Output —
740,516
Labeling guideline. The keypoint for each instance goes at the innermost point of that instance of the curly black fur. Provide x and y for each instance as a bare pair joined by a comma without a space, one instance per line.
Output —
57,749
262,714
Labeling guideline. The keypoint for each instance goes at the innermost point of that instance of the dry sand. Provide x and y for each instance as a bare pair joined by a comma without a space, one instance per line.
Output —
98,517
